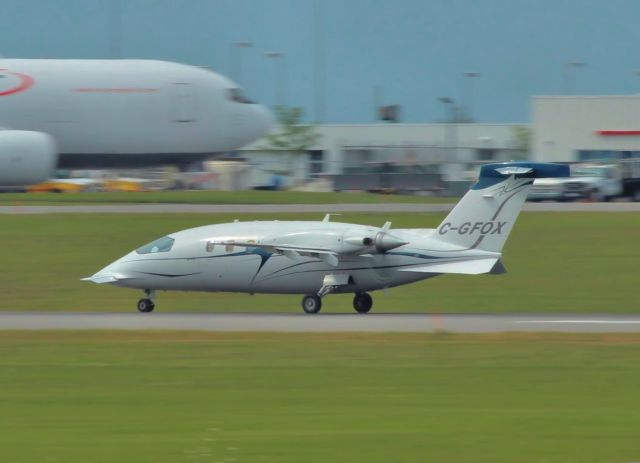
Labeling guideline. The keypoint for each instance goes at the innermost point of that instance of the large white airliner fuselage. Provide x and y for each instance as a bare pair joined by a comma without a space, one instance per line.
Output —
120,113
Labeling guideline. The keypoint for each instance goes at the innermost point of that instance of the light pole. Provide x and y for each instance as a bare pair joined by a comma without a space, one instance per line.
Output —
468,94
319,66
378,101
280,76
449,108
450,119
235,59
569,76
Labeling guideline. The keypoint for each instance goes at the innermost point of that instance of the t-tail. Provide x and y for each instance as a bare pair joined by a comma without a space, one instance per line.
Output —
485,215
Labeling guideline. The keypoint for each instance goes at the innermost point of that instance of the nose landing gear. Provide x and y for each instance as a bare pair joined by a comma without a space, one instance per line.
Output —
311,303
146,304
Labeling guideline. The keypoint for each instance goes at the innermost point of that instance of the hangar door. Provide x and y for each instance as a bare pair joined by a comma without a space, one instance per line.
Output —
183,102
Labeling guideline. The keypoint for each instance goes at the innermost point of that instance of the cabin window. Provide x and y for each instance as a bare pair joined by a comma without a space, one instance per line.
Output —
163,244
211,245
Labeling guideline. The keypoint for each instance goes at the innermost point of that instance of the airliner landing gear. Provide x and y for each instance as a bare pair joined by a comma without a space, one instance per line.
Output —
146,304
362,302
311,303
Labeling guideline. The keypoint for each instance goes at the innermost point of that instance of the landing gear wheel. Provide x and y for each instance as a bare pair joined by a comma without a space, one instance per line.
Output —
146,305
311,304
362,302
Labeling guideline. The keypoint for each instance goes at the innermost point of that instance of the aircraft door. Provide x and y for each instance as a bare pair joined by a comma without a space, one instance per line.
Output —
183,103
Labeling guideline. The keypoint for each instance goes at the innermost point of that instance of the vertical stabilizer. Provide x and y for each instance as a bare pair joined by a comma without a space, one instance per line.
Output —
485,215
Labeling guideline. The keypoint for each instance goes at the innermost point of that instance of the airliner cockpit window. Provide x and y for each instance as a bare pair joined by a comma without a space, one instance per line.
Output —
163,244
236,94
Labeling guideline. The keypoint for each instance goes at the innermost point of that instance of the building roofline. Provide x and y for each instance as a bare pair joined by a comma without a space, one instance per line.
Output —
425,124
584,97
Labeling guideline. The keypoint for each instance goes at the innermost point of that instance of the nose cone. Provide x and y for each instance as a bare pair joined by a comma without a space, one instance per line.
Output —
261,121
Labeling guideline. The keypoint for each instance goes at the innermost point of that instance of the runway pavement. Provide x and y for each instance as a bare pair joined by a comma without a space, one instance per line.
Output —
281,322
297,208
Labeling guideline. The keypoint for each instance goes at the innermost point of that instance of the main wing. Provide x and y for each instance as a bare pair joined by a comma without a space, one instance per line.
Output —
491,265
291,251
358,243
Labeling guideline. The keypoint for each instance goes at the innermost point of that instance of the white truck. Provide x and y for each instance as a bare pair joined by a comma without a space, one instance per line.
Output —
596,182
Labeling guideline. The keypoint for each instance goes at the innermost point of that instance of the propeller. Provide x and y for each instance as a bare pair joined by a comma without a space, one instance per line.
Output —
383,241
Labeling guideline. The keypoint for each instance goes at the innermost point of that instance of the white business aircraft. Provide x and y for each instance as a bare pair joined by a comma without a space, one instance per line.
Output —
117,113
318,258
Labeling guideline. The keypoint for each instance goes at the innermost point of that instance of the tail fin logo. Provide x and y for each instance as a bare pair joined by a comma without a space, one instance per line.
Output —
469,228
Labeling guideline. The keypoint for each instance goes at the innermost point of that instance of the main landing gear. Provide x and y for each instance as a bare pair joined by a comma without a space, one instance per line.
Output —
362,302
312,303
146,304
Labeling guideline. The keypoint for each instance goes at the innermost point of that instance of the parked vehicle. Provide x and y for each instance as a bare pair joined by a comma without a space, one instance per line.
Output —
631,178
597,182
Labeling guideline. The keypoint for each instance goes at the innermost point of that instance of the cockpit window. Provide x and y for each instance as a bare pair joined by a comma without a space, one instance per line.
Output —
163,244
236,94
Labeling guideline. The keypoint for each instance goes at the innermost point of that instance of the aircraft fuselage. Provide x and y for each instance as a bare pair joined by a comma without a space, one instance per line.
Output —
120,113
193,261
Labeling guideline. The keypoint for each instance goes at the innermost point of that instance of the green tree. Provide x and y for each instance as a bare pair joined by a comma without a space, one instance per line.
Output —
294,139
522,135
293,136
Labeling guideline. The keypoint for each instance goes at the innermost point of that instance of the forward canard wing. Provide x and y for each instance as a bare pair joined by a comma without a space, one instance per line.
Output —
102,278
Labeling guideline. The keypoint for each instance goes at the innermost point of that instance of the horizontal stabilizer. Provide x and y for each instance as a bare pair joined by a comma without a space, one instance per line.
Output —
467,267
515,170
524,169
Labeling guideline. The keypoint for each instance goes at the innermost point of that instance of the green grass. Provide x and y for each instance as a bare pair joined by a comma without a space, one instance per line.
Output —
194,397
212,197
557,262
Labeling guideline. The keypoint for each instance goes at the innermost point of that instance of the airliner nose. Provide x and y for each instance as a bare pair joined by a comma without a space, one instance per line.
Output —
263,121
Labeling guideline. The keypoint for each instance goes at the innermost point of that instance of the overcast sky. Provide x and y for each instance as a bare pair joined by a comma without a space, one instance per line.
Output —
415,50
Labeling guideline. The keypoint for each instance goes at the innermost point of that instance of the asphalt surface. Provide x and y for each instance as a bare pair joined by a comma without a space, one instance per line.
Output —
299,323
296,208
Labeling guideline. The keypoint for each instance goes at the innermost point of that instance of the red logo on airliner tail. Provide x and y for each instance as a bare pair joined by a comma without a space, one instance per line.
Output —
23,82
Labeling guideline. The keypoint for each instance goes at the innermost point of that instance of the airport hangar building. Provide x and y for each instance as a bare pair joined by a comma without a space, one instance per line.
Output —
356,149
563,129
585,128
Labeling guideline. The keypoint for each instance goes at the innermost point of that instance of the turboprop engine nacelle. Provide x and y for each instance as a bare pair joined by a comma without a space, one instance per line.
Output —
381,241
